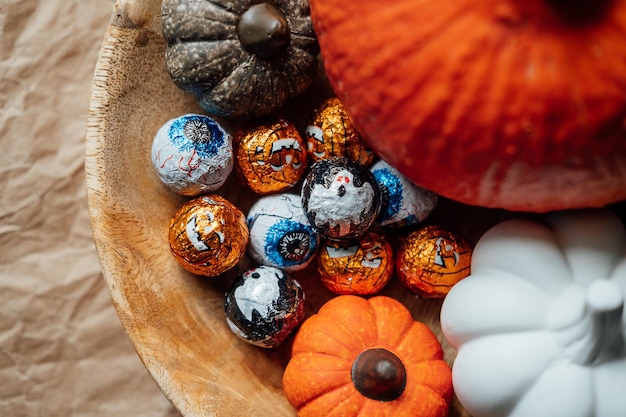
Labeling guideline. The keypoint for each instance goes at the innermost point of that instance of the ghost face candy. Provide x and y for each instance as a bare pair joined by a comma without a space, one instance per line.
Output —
340,197
264,305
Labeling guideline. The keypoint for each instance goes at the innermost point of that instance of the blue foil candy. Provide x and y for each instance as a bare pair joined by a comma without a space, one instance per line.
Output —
403,202
192,154
280,234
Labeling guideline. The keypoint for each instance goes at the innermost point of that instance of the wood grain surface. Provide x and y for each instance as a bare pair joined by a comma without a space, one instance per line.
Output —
174,319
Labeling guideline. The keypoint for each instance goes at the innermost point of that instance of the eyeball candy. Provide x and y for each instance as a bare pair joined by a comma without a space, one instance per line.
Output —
331,132
272,157
280,233
431,260
264,305
340,197
403,203
192,154
208,235
362,266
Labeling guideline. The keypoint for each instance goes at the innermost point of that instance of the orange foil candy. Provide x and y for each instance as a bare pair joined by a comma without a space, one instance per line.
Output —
362,266
431,260
331,133
208,235
271,157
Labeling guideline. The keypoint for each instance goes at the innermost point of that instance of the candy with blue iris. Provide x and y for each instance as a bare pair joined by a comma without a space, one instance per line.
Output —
403,202
280,234
192,154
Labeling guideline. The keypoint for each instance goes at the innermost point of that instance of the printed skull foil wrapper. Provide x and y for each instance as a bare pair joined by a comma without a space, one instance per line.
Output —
264,305
340,197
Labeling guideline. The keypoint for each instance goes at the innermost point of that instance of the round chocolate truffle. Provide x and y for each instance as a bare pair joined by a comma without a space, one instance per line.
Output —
357,266
271,157
340,197
330,132
431,260
208,235
192,154
264,305
280,233
403,202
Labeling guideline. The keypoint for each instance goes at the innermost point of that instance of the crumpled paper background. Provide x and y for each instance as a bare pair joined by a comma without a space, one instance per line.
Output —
63,350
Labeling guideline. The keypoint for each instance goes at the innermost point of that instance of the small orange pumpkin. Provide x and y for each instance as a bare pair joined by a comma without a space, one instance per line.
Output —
367,357
499,103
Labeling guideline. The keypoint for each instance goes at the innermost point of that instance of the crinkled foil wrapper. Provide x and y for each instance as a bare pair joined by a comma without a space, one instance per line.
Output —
271,157
208,235
330,132
431,260
362,266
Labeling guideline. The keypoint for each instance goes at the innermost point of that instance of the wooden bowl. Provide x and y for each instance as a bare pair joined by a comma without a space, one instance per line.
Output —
175,319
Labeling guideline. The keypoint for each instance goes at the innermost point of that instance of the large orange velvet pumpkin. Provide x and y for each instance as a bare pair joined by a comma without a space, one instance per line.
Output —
362,357
497,103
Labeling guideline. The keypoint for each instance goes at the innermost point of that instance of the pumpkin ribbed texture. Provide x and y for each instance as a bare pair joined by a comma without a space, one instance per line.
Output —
317,380
514,104
215,51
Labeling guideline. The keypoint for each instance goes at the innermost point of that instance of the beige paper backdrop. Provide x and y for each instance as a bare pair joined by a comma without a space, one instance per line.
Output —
63,351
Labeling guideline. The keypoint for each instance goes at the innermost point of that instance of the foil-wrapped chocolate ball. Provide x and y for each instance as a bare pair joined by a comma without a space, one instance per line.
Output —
264,305
271,157
330,132
362,266
403,202
208,235
280,233
340,197
192,154
430,260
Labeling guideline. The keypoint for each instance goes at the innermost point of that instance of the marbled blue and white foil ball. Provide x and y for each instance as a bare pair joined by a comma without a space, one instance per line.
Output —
192,154
280,234
403,202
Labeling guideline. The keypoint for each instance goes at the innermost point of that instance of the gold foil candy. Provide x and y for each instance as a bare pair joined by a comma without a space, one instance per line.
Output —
362,266
208,235
331,133
431,260
271,157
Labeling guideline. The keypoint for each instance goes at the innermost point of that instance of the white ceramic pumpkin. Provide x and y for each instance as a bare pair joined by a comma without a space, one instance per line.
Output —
539,325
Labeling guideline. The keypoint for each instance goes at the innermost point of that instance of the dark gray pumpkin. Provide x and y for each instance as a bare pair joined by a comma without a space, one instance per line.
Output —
240,57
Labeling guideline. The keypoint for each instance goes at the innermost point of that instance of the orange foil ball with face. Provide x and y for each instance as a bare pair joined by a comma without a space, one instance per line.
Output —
362,266
208,235
431,260
271,157
330,132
